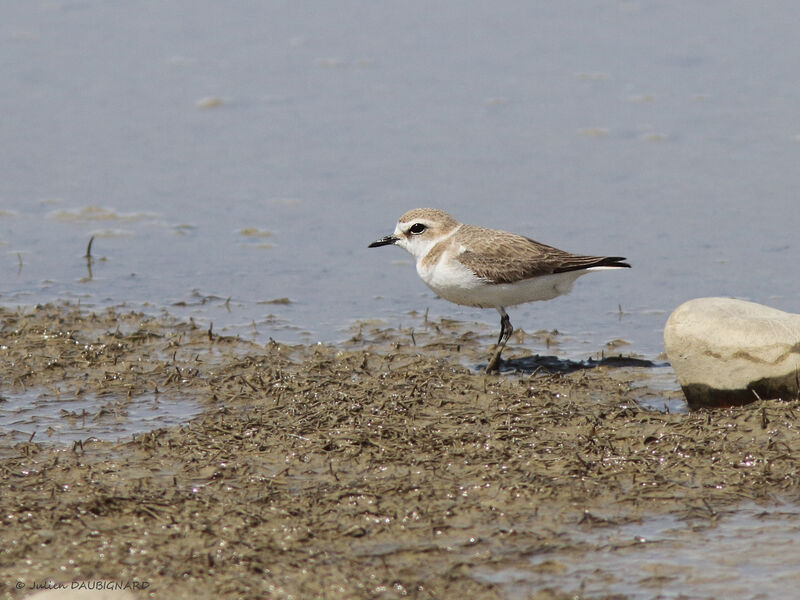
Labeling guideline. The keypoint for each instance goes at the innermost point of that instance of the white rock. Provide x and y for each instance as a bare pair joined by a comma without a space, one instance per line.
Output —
726,351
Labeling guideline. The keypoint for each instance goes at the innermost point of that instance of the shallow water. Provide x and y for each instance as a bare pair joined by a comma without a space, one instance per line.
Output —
225,156
666,557
60,419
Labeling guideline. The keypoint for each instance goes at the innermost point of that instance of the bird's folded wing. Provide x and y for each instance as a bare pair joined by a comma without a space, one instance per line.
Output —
502,257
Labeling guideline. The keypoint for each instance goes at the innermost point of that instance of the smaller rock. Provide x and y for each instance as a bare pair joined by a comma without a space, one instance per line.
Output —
728,352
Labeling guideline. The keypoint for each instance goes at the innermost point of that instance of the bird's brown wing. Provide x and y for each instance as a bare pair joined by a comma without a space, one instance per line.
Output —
502,257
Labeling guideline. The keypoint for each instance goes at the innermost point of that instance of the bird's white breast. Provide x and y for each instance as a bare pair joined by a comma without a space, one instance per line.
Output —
449,278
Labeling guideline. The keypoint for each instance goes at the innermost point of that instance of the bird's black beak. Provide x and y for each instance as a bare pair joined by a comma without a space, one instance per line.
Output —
384,241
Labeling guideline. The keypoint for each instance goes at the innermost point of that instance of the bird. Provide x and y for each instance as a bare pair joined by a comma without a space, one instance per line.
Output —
488,268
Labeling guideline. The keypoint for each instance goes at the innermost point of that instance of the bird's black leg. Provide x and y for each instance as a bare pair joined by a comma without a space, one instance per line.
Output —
505,326
502,330
506,329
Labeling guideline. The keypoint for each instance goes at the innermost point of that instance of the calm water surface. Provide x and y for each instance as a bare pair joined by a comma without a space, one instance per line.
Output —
251,150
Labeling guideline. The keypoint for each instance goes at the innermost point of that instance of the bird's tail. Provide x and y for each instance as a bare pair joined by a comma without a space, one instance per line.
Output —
613,262
581,263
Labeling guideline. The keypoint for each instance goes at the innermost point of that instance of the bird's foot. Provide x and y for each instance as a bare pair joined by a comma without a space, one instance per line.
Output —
494,362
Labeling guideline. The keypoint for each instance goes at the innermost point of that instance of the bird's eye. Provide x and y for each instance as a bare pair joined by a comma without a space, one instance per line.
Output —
417,228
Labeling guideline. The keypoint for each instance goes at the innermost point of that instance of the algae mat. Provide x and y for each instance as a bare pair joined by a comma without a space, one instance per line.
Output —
386,470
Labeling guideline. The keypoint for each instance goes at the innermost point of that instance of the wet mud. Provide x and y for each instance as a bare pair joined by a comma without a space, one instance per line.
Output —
389,467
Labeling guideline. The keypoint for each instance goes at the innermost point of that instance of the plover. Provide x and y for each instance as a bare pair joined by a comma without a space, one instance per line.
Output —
487,268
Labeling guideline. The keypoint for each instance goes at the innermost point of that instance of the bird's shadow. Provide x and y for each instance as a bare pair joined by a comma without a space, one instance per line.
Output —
552,364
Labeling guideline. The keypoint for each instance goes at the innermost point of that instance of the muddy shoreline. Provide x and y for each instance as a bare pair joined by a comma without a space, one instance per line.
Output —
381,469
